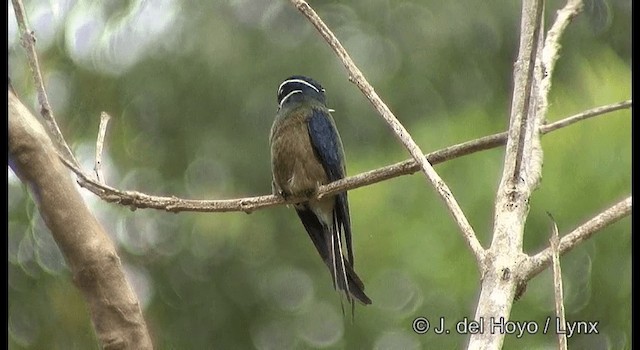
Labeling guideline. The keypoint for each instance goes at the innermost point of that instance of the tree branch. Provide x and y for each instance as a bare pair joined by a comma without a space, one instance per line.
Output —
552,43
139,200
507,266
521,174
87,249
104,121
541,261
554,242
28,41
356,76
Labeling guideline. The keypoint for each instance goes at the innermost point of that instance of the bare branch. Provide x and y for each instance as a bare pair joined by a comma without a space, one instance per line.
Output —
356,76
554,242
540,261
28,41
521,173
104,121
462,149
523,162
552,43
87,248
593,112
138,200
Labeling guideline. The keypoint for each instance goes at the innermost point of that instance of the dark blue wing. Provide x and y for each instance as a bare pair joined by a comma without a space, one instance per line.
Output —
326,143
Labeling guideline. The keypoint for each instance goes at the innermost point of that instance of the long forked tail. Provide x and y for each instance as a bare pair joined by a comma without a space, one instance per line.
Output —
342,270
328,244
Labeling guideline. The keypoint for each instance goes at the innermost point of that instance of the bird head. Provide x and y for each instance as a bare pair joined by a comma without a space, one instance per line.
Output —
298,88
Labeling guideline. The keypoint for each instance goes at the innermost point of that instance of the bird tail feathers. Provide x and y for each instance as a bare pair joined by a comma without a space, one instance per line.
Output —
329,245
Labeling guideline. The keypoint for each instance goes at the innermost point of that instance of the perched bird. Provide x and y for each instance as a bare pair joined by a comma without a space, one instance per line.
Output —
306,152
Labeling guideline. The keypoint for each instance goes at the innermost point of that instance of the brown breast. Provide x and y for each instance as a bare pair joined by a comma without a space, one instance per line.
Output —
296,169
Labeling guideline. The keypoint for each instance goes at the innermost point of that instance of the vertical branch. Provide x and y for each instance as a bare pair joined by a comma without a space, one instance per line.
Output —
552,43
507,266
523,113
104,121
522,164
557,283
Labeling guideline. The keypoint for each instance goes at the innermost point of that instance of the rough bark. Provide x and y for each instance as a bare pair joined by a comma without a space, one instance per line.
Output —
88,250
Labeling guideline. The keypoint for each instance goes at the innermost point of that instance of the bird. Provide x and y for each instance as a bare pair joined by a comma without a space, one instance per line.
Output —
306,152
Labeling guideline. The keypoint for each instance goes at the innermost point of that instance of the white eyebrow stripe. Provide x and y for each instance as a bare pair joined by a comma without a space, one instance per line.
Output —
297,81
288,95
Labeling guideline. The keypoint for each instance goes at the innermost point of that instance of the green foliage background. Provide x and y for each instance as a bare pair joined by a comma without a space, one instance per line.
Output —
192,108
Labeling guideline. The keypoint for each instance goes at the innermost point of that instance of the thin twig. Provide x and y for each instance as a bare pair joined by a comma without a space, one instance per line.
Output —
28,41
585,115
104,121
410,166
552,42
356,76
554,242
540,261
138,200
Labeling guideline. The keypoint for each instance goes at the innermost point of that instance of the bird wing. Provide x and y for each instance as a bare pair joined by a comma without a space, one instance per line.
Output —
328,148
326,143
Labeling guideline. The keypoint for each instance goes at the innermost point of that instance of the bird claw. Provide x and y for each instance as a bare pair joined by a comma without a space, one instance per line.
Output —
310,193
282,194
